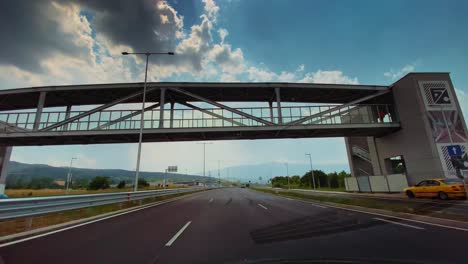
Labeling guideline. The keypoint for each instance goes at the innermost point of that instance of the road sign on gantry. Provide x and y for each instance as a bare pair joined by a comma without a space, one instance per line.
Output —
172,169
454,151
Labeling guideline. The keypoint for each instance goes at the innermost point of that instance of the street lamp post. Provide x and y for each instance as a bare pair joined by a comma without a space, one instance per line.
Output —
69,175
311,169
204,156
147,54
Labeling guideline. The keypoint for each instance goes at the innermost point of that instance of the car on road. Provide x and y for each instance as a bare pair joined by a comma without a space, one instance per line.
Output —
441,188
242,186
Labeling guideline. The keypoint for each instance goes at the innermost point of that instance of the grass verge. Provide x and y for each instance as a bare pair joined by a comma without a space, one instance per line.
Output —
21,193
22,224
402,207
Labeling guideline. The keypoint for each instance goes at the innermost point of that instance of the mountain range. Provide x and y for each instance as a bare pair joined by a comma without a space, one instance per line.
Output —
242,173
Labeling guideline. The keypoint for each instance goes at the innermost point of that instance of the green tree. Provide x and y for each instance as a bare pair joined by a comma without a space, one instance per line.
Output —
333,178
341,178
42,183
80,183
142,183
121,185
99,182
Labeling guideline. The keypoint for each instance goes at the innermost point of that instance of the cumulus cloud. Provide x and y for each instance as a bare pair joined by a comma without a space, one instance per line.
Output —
33,31
69,47
394,74
328,77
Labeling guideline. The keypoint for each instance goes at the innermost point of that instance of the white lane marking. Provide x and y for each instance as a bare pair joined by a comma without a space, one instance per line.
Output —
311,203
397,223
262,206
314,204
169,243
87,223
210,200
401,218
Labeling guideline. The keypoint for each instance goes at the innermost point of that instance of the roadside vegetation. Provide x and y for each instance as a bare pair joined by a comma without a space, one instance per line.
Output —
326,182
47,187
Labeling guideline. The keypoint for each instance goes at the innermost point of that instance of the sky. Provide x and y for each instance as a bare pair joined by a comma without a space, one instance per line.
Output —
356,42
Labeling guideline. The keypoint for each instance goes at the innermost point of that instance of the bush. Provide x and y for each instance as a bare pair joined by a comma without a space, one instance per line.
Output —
142,183
99,182
121,185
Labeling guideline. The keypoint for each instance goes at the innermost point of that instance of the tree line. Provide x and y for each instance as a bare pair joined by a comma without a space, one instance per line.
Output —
322,179
96,183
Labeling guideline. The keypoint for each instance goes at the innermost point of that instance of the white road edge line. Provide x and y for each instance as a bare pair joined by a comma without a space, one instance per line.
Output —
395,217
262,206
401,218
86,223
397,223
210,200
169,243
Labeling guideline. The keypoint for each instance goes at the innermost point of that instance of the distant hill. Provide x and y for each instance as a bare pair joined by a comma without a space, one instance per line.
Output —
26,172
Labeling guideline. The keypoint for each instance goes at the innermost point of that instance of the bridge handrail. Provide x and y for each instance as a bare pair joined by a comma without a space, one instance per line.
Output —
20,207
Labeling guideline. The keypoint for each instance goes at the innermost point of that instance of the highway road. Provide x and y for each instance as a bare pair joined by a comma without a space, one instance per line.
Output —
233,225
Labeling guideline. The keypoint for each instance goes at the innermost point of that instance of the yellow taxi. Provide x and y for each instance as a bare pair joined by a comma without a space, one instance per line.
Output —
441,188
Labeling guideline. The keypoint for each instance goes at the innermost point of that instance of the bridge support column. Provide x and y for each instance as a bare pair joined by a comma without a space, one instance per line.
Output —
161,108
270,104
67,115
5,154
278,105
40,106
172,115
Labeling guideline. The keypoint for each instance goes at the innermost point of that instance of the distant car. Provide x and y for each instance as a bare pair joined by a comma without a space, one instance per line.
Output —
441,188
242,185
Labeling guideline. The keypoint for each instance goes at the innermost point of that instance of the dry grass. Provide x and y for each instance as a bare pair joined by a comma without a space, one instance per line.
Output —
19,193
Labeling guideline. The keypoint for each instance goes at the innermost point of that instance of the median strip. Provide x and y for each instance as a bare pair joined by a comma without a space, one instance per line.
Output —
173,239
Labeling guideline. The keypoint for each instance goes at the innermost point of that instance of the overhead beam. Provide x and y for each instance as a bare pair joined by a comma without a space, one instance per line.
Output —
120,119
212,114
365,98
97,109
260,120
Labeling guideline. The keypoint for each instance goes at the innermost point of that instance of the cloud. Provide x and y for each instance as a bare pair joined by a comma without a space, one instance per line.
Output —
394,74
33,31
96,40
264,75
328,77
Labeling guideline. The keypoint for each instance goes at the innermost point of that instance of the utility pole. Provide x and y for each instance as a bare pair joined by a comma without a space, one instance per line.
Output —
69,175
219,177
204,156
287,175
311,169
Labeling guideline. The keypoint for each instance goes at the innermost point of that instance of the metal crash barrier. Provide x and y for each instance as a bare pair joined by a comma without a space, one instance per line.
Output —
18,207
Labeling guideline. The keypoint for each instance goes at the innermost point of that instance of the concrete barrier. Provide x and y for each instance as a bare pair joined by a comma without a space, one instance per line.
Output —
378,183
397,182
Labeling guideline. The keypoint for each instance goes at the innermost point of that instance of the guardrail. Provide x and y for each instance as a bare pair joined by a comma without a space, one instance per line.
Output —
17,207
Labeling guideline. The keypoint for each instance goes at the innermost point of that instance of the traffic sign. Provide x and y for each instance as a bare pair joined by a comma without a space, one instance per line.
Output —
454,151
172,169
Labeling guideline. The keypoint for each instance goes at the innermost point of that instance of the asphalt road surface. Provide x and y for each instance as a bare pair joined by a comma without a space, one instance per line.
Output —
234,225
